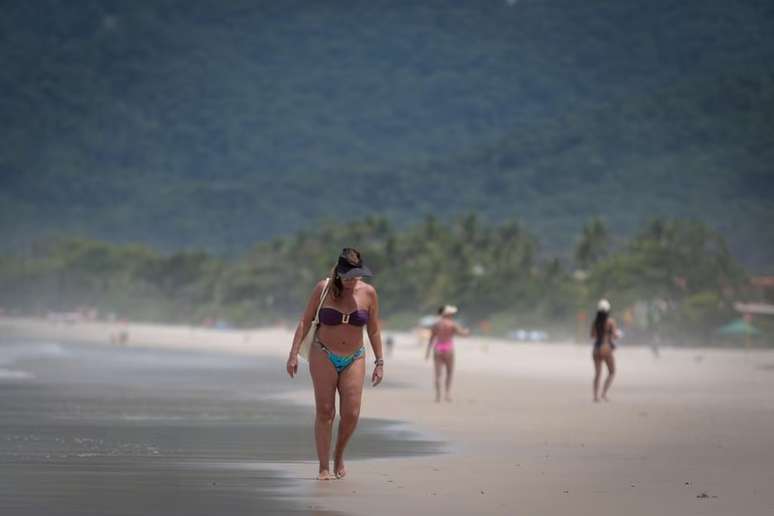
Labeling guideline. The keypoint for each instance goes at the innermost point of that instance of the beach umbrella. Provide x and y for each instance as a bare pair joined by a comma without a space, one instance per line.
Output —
738,327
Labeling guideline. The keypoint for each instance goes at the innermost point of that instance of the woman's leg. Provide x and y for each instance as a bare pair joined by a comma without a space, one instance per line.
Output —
610,361
324,379
437,366
449,360
350,395
597,372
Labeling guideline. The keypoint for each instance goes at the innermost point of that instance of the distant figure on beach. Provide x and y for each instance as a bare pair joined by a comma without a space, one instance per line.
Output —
121,337
337,354
390,343
441,342
604,332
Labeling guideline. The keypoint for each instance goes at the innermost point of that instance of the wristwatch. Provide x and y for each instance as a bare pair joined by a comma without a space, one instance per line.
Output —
379,361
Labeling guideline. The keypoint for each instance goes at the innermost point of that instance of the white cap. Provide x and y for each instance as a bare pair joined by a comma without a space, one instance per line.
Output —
603,305
449,310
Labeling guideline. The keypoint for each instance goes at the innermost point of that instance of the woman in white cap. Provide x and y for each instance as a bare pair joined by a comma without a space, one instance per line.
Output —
344,305
603,331
442,343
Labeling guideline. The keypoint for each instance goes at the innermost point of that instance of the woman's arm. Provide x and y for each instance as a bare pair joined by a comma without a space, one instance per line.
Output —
614,333
431,340
459,330
303,326
375,337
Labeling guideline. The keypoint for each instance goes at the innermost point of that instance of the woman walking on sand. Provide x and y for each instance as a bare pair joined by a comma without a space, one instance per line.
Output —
603,331
336,357
442,343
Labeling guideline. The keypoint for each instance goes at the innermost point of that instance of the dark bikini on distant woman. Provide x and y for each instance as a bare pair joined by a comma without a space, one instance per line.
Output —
604,332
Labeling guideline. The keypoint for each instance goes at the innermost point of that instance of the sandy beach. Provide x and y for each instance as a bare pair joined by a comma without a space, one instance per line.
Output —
687,432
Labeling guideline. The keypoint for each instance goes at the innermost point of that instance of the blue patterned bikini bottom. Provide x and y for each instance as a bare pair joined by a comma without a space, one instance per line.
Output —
341,362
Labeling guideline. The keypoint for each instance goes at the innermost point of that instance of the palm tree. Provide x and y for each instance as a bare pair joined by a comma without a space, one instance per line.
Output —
593,244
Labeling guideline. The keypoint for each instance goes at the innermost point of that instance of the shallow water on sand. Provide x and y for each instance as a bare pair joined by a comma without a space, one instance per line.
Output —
125,431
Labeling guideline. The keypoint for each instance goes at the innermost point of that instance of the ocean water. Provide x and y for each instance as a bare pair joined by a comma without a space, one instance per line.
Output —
103,430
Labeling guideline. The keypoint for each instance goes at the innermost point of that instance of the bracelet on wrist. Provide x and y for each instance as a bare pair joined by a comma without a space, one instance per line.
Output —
379,362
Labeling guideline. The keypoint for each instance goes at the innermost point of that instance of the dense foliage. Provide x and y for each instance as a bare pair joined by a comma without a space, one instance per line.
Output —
210,125
492,272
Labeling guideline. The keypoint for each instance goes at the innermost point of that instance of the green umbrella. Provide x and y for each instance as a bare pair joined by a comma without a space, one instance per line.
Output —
738,327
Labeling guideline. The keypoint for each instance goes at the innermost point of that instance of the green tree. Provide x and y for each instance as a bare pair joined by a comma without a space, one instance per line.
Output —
593,244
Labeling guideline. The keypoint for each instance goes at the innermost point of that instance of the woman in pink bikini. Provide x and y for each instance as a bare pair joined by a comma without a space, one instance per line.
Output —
442,343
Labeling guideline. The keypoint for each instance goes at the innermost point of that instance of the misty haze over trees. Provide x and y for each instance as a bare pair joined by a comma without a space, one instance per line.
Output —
189,161
492,272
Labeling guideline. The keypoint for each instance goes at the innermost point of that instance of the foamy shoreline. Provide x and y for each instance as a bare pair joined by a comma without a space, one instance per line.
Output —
247,341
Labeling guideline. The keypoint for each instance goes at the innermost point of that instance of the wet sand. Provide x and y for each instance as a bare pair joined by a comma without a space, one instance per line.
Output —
689,432
103,430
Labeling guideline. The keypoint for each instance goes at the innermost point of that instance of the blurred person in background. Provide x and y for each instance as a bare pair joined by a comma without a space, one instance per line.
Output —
604,332
390,343
441,342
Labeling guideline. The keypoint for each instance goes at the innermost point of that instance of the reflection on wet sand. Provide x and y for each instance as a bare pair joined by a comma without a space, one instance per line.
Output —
89,430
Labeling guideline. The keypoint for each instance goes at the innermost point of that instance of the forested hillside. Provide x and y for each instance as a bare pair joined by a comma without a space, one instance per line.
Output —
217,124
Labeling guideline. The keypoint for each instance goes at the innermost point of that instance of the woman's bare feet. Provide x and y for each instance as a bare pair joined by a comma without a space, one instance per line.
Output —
339,469
324,474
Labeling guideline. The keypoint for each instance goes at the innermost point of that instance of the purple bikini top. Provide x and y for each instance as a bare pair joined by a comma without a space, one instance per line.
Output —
332,317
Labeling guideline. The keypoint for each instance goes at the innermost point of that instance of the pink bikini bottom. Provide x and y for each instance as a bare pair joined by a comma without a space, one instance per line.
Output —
444,347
